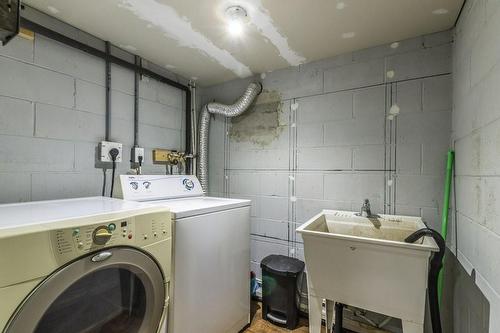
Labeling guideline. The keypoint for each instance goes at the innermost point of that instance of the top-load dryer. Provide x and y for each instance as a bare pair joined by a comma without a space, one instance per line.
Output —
211,252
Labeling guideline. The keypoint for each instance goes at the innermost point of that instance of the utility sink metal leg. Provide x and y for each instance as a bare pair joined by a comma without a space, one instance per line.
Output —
411,327
315,305
330,308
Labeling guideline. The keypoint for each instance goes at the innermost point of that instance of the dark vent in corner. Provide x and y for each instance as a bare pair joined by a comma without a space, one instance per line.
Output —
9,19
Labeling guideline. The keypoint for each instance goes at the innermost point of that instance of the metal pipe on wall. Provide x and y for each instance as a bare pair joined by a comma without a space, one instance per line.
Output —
25,23
194,131
108,91
233,110
137,78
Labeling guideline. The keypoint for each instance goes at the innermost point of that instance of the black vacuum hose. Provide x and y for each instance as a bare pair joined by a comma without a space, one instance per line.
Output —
432,279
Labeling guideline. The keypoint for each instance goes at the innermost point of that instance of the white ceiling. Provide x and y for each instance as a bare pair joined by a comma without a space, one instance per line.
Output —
189,37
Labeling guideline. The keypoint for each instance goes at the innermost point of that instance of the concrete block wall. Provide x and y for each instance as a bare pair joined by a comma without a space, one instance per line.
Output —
476,128
335,145
52,115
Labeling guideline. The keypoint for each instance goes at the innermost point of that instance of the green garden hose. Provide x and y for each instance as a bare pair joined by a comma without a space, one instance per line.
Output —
446,207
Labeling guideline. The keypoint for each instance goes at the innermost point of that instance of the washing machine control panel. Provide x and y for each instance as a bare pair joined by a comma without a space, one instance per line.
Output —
137,231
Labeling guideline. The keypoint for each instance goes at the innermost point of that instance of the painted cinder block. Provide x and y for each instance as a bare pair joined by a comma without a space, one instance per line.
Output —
170,96
33,154
409,96
16,187
409,158
68,60
404,46
324,158
485,53
419,191
270,228
274,208
156,114
432,61
122,105
46,186
355,187
432,127
19,48
77,125
354,76
438,38
274,184
369,102
368,157
122,131
434,158
90,97
293,83
326,107
355,131
148,88
309,185
261,247
33,83
310,135
16,116
152,136
245,183
437,93
307,208
122,79
263,159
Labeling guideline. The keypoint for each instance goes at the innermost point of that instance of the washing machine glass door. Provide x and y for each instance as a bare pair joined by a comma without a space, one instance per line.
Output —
118,290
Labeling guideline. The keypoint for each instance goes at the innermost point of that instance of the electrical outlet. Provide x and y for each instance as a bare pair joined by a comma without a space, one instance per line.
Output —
105,147
135,153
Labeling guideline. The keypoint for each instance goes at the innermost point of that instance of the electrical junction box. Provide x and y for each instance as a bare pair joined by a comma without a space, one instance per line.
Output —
135,153
104,149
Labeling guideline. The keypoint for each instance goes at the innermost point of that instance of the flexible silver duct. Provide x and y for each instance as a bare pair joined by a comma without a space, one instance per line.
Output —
240,106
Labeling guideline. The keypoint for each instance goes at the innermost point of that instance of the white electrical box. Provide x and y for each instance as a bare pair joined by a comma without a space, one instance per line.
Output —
104,149
136,153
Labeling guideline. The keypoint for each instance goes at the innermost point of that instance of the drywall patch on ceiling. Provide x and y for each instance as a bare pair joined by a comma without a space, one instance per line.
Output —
261,19
178,28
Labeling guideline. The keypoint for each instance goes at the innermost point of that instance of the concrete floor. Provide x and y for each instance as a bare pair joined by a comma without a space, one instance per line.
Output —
259,325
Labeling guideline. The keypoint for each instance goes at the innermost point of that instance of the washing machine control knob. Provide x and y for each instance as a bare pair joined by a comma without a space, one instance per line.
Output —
101,235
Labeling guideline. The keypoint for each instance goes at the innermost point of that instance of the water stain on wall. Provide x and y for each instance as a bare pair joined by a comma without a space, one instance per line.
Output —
262,123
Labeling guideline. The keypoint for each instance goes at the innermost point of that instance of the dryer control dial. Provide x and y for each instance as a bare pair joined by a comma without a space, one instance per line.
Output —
101,235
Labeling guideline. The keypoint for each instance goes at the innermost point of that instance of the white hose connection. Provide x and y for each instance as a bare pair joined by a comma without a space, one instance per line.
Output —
233,110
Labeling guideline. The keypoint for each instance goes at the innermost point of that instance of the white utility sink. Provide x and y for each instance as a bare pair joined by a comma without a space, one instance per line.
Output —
365,262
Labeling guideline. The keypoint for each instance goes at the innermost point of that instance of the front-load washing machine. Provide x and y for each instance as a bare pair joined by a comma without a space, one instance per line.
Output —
211,252
84,265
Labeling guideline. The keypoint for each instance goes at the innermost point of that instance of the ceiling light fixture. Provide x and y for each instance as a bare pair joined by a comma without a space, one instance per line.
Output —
236,18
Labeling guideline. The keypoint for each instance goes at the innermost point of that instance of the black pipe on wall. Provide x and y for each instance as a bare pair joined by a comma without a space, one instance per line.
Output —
137,77
108,92
25,23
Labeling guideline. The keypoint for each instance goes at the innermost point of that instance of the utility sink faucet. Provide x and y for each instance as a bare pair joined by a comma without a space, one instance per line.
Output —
366,210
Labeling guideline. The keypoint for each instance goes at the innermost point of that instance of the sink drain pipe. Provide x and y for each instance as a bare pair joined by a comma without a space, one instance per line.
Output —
432,279
233,110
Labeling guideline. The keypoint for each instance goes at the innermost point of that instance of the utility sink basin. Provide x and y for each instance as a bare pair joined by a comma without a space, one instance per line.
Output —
365,262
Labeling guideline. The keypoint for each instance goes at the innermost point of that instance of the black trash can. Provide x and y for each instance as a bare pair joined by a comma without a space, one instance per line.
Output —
280,295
